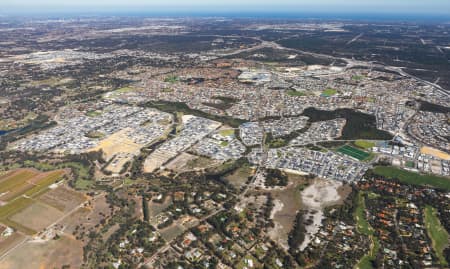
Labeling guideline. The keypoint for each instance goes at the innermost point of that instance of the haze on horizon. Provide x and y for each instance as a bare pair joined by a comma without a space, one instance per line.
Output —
430,7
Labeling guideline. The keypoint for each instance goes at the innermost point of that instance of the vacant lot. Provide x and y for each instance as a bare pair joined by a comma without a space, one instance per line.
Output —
435,152
179,163
172,232
287,202
239,177
49,254
7,243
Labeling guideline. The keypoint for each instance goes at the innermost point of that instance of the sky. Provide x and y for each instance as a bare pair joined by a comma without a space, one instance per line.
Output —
319,6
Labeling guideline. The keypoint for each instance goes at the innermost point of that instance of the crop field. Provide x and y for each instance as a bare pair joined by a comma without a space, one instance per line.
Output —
19,189
26,182
37,216
62,199
354,152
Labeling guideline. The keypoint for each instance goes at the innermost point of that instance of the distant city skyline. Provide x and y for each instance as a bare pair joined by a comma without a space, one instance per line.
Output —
429,7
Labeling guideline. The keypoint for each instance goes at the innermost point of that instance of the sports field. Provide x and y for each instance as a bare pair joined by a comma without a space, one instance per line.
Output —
354,152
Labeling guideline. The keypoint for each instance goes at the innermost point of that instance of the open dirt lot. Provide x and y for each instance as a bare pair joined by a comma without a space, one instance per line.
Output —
287,202
42,255
9,242
315,198
179,163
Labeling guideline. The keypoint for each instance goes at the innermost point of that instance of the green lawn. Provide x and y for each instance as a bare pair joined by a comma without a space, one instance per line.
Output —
357,77
82,184
364,144
295,93
224,143
437,233
227,132
171,79
360,216
413,178
93,113
329,92
125,89
366,261
363,227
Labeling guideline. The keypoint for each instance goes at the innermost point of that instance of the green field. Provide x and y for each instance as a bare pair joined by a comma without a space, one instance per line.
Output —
364,144
295,93
10,183
363,227
93,113
329,92
353,152
43,184
224,143
171,79
125,89
357,77
360,216
227,132
413,178
437,233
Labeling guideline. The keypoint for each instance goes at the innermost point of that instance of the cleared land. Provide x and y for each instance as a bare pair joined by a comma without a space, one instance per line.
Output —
437,233
353,152
7,243
287,202
48,254
239,177
179,163
120,145
413,178
435,152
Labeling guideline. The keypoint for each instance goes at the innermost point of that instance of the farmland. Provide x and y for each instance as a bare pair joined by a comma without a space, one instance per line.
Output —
19,190
354,152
